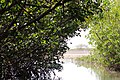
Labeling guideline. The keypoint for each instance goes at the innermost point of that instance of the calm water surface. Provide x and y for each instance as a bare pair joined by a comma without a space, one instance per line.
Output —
74,70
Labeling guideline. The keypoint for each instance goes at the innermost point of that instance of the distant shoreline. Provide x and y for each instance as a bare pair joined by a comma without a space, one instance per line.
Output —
75,53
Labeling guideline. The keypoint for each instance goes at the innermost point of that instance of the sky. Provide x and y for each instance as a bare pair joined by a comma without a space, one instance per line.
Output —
77,40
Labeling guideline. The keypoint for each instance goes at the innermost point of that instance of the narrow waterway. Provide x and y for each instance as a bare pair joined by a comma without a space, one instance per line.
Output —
75,70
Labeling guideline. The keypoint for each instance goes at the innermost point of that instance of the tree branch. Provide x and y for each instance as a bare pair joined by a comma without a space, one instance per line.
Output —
5,34
41,16
98,37
14,20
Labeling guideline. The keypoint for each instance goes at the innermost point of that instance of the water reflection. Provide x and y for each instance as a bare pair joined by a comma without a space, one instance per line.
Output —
73,71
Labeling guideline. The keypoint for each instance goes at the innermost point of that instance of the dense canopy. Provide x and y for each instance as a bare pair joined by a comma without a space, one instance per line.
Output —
105,35
33,35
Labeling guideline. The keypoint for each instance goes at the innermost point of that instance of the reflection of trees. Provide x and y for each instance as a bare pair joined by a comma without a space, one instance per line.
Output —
101,72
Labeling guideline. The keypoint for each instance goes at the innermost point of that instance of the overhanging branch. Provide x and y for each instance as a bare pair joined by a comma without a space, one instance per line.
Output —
40,17
5,34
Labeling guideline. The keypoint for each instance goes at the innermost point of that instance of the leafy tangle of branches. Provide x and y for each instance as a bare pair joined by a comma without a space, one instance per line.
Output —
33,35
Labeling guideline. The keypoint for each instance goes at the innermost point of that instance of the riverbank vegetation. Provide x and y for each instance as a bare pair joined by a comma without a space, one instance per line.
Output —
104,35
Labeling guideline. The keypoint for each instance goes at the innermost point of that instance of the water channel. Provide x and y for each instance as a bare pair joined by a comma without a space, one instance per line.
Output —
75,70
